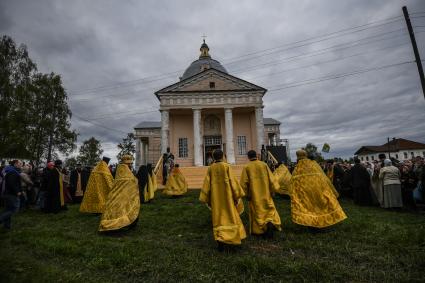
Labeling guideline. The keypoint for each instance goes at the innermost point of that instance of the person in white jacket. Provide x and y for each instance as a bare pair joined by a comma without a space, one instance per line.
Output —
390,176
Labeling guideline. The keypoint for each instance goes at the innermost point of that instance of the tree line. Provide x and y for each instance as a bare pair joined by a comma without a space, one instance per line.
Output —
35,119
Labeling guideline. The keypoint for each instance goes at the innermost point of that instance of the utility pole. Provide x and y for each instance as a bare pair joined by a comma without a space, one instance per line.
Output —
415,48
388,145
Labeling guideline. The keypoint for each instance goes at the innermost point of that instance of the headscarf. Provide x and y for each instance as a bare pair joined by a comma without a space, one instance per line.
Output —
387,162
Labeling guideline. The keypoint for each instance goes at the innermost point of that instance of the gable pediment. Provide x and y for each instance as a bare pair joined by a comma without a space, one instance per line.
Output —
211,80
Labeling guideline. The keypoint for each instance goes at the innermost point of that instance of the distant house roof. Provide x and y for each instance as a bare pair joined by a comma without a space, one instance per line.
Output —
271,121
148,125
393,146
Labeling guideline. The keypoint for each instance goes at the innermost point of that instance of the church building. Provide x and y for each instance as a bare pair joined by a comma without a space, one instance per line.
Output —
207,109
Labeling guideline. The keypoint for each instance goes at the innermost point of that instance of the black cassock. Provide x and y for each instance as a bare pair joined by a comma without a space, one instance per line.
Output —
53,199
360,180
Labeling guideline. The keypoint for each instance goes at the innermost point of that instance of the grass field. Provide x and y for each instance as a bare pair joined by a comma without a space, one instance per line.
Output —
173,242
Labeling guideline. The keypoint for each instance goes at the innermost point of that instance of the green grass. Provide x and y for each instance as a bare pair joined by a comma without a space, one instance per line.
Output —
173,242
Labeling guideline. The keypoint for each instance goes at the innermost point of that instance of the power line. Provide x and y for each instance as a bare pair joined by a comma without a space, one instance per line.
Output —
99,125
329,61
326,78
329,35
287,59
308,43
321,51
361,53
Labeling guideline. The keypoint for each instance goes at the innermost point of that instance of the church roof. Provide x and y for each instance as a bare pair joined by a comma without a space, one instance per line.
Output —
201,64
271,121
204,62
148,125
393,146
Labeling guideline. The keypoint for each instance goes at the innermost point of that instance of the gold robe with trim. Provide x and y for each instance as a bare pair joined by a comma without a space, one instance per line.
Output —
259,183
123,204
97,190
222,193
283,177
176,184
313,197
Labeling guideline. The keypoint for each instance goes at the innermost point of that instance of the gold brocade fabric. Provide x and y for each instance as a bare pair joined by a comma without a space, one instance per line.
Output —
62,199
222,193
97,190
176,184
259,183
313,199
123,204
79,191
152,183
283,177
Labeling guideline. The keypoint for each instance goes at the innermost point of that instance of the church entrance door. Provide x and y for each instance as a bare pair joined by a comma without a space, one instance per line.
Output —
211,143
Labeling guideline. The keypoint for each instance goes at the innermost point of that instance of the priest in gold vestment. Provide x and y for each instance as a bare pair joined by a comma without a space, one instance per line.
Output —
123,204
259,184
176,183
283,177
222,193
98,187
313,197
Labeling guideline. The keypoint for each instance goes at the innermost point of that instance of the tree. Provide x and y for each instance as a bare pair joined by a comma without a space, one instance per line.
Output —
51,118
34,112
127,146
71,162
311,150
16,70
90,152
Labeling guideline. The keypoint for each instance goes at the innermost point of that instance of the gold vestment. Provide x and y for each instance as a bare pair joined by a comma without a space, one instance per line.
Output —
97,190
259,183
222,193
313,197
176,184
123,204
283,177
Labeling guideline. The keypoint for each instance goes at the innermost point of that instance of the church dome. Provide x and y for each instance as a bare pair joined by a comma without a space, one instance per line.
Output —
204,62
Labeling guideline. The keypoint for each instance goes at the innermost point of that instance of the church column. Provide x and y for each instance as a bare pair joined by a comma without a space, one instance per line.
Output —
230,152
197,151
165,117
138,153
260,127
142,153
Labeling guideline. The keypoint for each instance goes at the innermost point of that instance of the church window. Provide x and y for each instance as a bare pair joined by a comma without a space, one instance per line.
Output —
183,147
367,158
212,84
396,155
241,145
405,155
412,154
373,157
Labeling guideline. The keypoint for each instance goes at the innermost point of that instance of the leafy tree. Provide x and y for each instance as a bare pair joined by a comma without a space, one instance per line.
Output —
71,162
127,146
90,152
34,113
16,70
51,118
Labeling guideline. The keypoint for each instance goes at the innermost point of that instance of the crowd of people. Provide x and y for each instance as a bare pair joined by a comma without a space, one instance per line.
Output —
388,183
312,188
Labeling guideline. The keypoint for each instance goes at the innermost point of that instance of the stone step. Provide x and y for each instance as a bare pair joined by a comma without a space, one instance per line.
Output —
195,175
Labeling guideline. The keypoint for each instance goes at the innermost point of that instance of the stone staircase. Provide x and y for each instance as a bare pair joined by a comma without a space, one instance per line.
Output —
195,175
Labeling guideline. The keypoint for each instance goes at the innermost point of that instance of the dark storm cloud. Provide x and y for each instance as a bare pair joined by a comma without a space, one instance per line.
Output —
108,43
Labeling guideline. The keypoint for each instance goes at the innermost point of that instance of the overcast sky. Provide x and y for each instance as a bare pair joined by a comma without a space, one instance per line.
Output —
328,81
